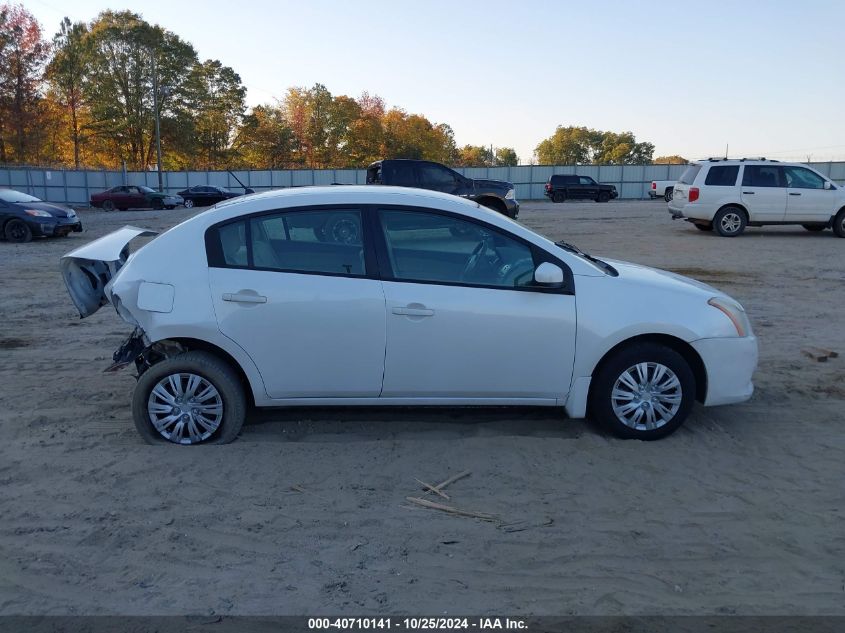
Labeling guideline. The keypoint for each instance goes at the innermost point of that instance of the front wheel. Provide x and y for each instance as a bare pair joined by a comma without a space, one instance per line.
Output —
643,392
603,197
839,223
189,204
158,204
730,222
192,398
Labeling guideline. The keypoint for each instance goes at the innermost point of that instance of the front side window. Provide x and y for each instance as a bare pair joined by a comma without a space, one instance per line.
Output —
321,241
762,176
586,180
722,176
436,177
399,174
802,178
430,247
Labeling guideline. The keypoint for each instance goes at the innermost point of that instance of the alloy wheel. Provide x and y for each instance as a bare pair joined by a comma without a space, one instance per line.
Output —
731,222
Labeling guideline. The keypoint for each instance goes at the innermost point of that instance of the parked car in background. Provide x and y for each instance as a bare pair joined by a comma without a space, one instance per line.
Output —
23,217
726,195
562,187
661,189
422,299
125,197
208,195
498,195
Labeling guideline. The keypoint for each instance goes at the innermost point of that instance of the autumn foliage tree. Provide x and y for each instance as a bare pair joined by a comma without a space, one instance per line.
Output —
581,145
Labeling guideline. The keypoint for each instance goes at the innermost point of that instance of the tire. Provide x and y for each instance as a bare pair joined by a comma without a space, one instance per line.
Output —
730,222
228,399
558,196
814,228
704,227
158,204
189,204
676,401
603,197
839,223
667,195
108,205
17,231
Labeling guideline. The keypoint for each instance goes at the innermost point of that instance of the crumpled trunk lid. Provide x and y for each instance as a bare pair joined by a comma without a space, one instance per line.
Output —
88,269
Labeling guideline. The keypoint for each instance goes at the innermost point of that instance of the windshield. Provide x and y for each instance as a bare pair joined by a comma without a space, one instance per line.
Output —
689,175
10,195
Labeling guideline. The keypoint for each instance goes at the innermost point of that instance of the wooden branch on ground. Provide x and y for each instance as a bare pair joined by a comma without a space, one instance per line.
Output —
439,487
451,510
434,489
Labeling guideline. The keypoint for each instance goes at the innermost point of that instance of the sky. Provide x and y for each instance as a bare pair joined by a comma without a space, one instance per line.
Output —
764,78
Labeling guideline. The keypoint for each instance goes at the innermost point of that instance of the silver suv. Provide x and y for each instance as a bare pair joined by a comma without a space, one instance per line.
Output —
726,195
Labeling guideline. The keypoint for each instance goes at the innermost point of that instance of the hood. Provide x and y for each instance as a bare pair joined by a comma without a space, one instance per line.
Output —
661,278
57,211
482,185
88,269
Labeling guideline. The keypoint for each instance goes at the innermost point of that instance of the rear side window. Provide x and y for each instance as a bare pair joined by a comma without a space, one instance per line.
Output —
327,241
762,176
722,176
688,177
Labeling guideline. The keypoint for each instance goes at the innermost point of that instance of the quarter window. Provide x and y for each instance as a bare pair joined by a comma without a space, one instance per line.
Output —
802,178
688,177
762,176
431,247
722,176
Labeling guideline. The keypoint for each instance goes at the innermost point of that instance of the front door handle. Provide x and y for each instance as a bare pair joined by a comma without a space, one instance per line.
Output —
413,310
748,193
242,297
794,194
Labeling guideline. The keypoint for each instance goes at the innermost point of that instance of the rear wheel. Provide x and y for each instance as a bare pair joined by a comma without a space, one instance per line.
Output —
108,205
644,392
667,195
192,398
558,196
839,223
815,228
189,204
17,231
730,221
603,197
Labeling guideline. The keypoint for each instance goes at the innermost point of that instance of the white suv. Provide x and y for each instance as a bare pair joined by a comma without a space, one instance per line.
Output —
729,194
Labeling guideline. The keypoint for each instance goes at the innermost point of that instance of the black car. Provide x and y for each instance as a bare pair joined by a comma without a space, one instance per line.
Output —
207,195
424,174
23,217
571,187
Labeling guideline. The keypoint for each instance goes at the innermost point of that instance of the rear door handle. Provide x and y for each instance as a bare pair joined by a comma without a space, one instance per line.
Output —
413,311
794,194
748,193
239,297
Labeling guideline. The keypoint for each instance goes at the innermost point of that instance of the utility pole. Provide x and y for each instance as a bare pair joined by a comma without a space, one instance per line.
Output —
158,124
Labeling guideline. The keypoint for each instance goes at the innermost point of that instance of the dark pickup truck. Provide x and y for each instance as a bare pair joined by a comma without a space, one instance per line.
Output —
570,187
494,194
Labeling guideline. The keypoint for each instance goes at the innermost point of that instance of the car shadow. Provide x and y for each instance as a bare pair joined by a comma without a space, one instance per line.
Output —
353,424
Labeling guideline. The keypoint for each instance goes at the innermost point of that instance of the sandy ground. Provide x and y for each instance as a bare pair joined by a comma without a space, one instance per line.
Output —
741,511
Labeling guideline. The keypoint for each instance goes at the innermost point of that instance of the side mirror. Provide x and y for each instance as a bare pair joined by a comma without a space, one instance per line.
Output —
549,275
828,184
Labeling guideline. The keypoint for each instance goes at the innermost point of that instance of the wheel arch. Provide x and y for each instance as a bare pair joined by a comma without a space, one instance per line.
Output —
680,346
738,205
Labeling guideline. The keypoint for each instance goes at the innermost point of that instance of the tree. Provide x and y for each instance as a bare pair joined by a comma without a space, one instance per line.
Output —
581,145
216,103
124,51
66,74
265,140
674,159
475,156
23,53
506,157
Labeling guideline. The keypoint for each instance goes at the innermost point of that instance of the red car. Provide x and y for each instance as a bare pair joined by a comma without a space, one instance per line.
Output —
133,197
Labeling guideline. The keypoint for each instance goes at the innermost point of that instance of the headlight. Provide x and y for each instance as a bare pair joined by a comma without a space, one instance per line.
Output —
37,213
510,195
734,312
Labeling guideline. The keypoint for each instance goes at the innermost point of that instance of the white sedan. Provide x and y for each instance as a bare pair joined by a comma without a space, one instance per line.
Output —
395,296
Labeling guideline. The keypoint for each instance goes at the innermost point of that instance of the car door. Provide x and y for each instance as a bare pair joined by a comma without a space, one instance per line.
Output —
297,292
807,200
438,178
763,192
136,198
589,187
464,320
